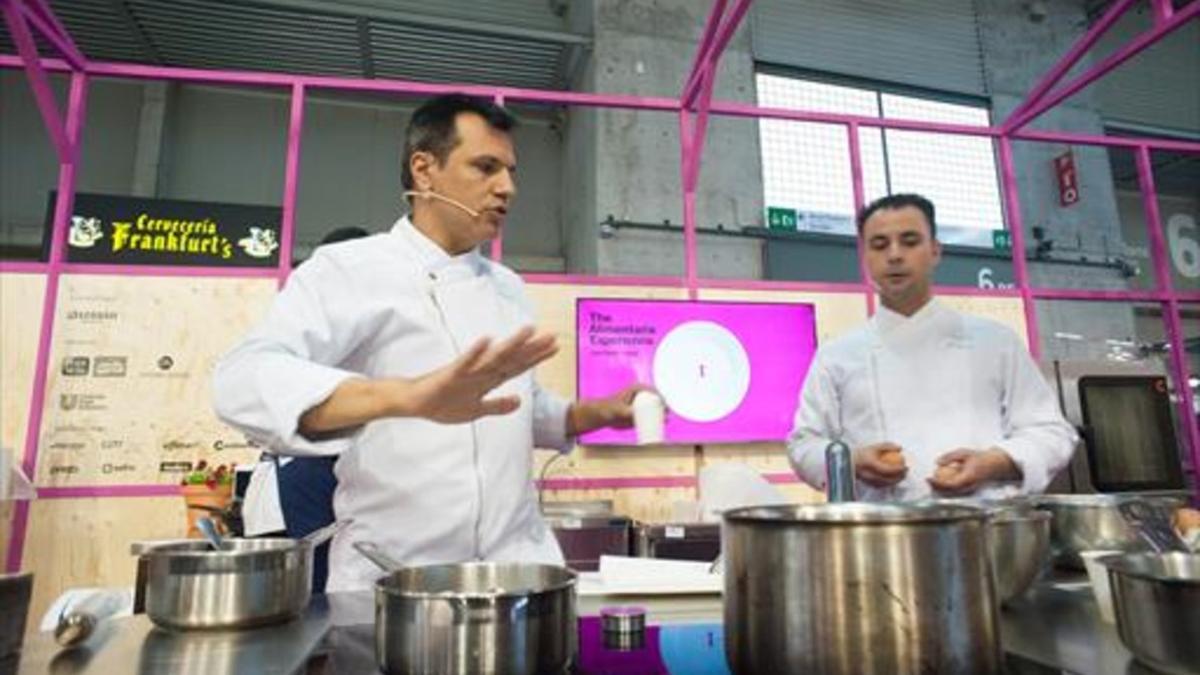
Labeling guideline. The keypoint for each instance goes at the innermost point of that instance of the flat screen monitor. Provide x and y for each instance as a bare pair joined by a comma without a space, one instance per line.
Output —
729,372
1131,438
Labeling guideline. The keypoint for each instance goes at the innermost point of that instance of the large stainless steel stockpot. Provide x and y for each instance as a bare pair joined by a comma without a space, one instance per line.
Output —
249,582
860,589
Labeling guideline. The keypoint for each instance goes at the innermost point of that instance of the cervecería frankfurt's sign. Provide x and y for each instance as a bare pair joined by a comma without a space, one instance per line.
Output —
113,229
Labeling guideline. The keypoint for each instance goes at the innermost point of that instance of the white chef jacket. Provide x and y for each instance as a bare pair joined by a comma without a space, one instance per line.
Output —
396,304
931,383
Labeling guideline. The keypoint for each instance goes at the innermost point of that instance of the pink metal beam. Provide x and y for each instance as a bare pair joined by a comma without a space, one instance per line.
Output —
700,130
1162,276
76,106
291,182
1110,63
737,109
1163,9
711,25
38,81
860,201
1016,229
42,18
1164,144
710,58
403,87
725,108
690,156
1114,12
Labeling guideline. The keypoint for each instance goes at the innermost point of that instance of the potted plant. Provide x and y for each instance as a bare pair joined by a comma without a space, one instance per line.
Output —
207,491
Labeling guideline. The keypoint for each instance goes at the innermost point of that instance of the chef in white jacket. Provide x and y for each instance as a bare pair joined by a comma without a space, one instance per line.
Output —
409,354
957,396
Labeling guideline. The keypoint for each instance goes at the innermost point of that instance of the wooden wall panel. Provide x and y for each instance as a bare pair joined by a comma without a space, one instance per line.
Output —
85,542
21,297
129,383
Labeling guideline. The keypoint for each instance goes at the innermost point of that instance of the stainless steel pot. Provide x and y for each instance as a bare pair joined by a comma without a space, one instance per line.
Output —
1094,522
1156,598
249,582
475,618
1018,540
1019,543
856,588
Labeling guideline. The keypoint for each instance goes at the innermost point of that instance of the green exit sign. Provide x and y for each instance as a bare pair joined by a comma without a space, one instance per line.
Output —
781,219
1001,240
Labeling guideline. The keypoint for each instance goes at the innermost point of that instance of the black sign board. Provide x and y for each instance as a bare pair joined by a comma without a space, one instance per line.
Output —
121,230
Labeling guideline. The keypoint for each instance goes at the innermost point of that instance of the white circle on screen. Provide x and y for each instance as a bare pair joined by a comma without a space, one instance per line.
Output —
702,371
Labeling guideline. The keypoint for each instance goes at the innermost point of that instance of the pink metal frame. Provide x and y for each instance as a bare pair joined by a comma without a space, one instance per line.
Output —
693,108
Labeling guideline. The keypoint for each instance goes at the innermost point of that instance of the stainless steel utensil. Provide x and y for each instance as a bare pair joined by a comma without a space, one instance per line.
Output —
1156,598
209,529
476,617
249,582
78,623
323,534
1153,525
857,588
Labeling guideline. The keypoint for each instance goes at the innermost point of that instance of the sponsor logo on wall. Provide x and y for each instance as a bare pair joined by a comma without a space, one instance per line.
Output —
114,229
110,366
176,446
67,402
75,366
123,467
174,467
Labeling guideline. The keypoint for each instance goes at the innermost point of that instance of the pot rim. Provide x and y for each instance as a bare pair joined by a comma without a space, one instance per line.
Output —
1121,564
183,550
384,584
854,514
1105,499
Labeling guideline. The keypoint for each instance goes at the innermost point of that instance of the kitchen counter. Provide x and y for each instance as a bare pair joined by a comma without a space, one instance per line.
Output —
1053,628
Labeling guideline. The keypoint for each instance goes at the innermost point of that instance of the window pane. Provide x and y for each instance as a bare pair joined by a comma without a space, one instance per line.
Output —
806,166
957,172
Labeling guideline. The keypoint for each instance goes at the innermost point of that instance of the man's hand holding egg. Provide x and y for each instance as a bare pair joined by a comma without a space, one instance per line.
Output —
880,465
963,471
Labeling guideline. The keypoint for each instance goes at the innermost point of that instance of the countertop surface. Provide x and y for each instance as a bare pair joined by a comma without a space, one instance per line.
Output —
1053,628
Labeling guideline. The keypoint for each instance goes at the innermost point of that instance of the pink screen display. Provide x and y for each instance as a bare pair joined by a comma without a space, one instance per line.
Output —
729,371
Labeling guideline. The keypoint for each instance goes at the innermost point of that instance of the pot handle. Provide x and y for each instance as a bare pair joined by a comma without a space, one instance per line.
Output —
371,551
321,535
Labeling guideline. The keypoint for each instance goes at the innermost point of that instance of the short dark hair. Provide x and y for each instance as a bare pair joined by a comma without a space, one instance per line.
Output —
898,202
432,128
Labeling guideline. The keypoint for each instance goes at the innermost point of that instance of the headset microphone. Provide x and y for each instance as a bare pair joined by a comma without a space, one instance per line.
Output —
430,194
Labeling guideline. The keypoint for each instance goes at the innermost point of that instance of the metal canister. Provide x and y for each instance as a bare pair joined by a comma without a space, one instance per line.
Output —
859,589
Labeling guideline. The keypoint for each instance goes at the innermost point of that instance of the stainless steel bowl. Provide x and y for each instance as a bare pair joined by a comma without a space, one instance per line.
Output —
1156,598
1018,540
1019,543
1094,522
862,589
476,618
249,582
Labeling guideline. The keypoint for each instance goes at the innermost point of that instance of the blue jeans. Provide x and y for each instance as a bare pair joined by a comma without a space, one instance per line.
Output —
306,486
